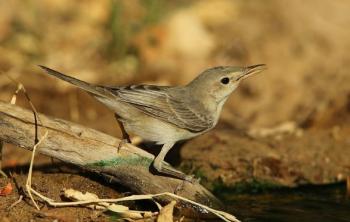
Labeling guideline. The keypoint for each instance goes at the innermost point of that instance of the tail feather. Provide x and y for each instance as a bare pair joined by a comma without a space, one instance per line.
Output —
95,90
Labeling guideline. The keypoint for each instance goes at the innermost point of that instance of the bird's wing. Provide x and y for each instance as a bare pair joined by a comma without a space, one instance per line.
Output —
158,103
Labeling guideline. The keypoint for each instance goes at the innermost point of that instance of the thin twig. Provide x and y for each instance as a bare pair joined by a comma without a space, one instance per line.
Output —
221,214
46,199
12,101
1,172
29,178
16,202
20,87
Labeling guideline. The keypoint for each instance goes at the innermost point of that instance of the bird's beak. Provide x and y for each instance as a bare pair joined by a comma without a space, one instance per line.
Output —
251,70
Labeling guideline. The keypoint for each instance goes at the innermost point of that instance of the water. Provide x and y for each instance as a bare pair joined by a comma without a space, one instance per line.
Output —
309,204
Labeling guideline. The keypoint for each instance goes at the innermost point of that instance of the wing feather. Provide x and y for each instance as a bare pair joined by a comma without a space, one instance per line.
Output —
157,102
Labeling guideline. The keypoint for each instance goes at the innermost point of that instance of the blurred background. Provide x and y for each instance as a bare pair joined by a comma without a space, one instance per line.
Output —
306,45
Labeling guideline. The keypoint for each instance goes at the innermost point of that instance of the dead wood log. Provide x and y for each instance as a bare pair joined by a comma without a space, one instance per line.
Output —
94,151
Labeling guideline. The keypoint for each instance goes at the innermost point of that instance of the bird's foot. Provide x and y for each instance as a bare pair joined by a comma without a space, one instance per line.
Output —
167,169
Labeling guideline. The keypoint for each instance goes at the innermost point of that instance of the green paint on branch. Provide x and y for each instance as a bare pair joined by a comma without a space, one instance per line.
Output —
117,161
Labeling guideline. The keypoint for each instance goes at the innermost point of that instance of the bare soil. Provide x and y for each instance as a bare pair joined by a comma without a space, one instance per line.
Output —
50,181
317,157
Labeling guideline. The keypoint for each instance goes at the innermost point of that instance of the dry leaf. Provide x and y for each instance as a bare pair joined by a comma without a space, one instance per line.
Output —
166,213
148,214
123,211
77,195
6,190
131,214
117,208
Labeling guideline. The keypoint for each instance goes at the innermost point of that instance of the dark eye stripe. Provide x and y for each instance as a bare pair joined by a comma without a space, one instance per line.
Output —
225,80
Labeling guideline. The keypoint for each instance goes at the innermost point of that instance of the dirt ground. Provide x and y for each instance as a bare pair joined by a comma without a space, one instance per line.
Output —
51,185
50,178
287,127
317,157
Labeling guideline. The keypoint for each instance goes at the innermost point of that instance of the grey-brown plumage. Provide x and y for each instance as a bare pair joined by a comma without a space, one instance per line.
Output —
166,114
164,104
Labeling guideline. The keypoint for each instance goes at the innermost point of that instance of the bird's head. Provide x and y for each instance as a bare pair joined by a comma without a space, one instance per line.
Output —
220,82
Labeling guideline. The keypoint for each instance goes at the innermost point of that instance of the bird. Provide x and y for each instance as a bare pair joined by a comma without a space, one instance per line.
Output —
168,114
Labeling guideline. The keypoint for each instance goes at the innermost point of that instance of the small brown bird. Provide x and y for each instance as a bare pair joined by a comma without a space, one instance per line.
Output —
167,114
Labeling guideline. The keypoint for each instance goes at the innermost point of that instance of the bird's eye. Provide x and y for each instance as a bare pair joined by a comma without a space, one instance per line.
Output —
225,80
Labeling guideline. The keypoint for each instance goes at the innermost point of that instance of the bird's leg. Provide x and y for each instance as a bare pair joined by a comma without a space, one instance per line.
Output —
126,138
165,168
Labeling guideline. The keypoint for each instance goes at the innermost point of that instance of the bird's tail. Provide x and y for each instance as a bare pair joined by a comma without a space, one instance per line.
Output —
93,89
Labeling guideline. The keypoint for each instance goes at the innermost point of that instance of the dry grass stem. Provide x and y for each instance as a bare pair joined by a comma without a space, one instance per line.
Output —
20,87
2,173
29,178
16,202
72,194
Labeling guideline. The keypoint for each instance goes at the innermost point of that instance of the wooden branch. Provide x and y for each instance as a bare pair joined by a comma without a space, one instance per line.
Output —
94,151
